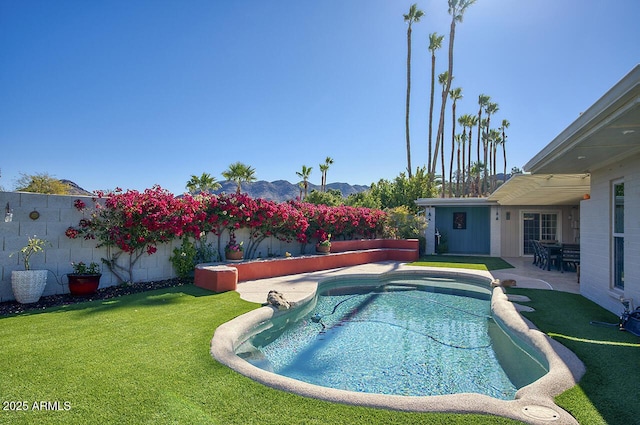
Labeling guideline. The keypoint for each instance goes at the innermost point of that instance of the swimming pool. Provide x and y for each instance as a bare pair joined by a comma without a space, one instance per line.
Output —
535,400
407,335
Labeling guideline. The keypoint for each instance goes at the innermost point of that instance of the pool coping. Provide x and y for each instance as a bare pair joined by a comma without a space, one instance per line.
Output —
533,403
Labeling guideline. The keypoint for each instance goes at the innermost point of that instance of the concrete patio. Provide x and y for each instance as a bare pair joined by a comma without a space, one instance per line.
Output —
300,286
528,275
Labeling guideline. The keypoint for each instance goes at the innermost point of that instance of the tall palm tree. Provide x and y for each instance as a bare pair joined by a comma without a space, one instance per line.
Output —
474,177
435,43
491,109
460,143
323,169
304,175
473,121
323,172
442,80
204,183
494,140
457,8
505,125
465,122
485,149
414,15
239,173
483,101
455,95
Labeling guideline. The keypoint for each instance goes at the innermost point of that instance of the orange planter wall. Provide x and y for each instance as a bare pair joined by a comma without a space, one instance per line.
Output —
343,254
355,245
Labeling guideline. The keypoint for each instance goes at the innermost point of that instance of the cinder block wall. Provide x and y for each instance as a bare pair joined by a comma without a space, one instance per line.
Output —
56,214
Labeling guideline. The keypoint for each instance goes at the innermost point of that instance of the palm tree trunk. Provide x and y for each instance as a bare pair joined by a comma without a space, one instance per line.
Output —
504,150
462,170
495,167
458,175
479,133
453,146
452,34
443,171
485,147
469,162
408,100
433,82
504,155
487,157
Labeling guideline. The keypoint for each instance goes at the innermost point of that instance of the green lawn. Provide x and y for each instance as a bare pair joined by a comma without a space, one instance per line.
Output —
144,359
608,393
463,262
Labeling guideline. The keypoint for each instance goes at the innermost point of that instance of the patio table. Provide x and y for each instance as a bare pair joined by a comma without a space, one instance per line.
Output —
553,252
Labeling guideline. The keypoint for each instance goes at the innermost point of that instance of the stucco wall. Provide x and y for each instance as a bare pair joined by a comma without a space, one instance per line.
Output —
511,229
596,241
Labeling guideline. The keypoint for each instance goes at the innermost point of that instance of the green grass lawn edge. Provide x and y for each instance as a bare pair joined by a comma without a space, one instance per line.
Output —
608,392
144,359
463,262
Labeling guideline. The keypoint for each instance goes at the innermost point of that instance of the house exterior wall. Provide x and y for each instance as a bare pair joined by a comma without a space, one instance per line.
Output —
597,243
511,226
474,239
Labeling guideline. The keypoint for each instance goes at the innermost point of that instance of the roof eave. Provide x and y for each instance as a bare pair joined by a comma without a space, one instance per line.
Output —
572,135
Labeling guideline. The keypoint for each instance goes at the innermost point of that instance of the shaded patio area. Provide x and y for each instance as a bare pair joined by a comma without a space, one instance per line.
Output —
528,275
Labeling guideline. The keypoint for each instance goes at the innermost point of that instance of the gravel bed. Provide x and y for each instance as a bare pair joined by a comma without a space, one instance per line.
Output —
13,307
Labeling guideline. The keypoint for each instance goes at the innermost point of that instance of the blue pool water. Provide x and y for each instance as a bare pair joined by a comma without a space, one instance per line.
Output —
413,337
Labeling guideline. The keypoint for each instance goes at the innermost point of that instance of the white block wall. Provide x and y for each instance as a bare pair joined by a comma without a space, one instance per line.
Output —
57,213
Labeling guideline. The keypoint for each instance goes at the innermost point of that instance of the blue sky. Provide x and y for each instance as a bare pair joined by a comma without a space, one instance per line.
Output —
135,93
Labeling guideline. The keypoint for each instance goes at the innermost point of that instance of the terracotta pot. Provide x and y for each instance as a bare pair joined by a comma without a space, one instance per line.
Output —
233,255
323,249
83,284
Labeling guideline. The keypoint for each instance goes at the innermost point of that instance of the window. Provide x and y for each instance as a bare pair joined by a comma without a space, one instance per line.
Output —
618,234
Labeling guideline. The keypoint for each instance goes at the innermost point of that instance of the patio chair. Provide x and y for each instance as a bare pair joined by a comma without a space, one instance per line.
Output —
537,258
543,252
570,256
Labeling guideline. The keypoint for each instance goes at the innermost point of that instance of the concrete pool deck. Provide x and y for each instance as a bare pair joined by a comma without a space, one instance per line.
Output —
297,287
533,403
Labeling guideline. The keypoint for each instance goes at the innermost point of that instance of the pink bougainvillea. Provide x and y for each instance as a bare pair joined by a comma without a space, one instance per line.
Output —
135,223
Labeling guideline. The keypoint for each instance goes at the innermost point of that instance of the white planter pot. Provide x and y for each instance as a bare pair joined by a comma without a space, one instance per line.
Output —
28,285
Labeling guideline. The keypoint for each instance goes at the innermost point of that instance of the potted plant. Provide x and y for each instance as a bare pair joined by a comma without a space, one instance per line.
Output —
324,246
28,284
233,250
85,279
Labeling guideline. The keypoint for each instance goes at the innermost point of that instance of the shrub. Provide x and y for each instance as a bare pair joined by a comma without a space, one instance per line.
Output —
130,224
189,254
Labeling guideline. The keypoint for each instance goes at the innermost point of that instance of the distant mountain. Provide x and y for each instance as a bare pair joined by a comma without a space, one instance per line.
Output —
282,190
75,189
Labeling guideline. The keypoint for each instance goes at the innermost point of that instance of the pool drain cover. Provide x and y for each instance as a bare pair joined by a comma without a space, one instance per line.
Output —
541,413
